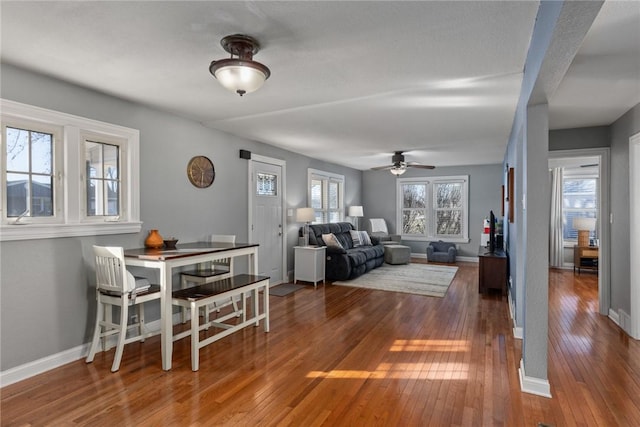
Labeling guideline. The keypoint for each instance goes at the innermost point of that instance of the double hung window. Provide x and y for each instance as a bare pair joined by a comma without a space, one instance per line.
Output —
433,208
326,195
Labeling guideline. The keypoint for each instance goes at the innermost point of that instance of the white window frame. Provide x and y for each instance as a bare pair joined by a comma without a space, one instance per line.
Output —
430,210
122,173
56,169
70,195
326,178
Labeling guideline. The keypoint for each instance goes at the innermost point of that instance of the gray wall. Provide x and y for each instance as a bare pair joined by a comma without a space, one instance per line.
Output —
580,138
621,130
47,304
379,199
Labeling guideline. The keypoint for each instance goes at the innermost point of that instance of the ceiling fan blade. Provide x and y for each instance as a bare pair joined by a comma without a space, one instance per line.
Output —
419,166
381,168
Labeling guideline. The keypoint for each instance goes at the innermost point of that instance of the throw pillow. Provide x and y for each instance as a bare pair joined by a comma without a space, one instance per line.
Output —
360,238
331,241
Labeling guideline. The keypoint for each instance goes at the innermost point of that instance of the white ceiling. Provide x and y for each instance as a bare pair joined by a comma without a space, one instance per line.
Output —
351,81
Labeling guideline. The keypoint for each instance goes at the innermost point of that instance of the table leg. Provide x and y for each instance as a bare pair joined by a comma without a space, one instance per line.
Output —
166,314
253,262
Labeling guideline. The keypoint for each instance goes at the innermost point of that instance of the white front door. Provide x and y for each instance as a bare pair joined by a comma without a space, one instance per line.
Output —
266,227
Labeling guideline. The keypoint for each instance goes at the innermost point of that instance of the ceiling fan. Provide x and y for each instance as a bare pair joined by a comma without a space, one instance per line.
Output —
399,166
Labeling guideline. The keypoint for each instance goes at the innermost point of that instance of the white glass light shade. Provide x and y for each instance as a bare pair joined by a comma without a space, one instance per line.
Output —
305,215
398,170
240,76
588,224
356,211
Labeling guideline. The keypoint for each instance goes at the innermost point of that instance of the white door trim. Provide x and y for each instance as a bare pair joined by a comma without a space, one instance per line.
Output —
634,229
604,231
283,184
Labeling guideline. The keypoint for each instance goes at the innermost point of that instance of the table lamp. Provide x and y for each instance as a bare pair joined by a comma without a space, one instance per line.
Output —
356,212
306,215
584,227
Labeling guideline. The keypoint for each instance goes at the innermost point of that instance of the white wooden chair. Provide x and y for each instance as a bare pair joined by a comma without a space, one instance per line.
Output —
117,286
210,272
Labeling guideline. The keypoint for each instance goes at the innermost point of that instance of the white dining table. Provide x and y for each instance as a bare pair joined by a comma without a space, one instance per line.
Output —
165,260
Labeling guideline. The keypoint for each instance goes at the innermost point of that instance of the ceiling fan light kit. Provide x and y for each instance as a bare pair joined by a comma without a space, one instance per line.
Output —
398,170
241,74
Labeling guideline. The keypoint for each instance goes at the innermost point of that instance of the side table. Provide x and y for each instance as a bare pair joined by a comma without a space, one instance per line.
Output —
309,264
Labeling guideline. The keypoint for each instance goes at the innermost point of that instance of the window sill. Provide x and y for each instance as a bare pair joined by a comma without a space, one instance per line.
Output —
10,232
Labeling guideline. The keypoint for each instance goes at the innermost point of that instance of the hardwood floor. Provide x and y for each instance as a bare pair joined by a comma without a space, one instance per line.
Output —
340,356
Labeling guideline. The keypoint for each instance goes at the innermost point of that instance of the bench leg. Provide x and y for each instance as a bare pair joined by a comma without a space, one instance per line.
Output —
195,337
256,305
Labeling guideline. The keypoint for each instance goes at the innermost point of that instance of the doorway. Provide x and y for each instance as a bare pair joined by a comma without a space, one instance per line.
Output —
266,197
596,159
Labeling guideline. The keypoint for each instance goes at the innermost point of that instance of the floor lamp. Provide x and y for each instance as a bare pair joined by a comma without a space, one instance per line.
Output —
356,212
306,215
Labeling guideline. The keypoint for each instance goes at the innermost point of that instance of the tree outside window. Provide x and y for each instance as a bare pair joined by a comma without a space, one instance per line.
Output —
433,208
414,214
448,208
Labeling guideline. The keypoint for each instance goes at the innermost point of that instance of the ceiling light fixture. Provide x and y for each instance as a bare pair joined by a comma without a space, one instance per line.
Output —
242,74
398,168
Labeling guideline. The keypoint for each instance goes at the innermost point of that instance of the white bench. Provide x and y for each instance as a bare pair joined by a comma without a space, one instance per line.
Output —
199,296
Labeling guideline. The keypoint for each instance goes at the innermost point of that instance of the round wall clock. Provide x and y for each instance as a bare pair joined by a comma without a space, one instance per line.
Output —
201,172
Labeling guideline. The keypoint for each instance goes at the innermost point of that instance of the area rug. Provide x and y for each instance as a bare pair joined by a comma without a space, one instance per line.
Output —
420,279
285,289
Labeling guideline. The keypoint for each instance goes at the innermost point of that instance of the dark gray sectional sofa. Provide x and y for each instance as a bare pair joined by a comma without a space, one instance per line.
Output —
349,262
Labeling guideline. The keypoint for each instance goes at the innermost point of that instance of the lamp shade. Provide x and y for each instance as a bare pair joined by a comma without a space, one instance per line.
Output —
356,211
398,170
588,224
305,215
240,76
584,226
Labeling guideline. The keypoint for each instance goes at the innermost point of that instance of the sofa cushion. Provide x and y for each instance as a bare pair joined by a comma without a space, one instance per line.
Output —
360,238
339,229
331,241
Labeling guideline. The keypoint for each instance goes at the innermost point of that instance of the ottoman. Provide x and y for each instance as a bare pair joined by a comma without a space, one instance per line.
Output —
397,254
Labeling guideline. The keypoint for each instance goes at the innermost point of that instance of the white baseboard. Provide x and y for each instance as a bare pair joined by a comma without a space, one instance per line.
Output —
533,385
30,369
613,315
39,366
517,330
458,258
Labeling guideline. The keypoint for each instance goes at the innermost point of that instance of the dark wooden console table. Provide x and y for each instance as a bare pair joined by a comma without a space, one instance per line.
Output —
585,257
492,273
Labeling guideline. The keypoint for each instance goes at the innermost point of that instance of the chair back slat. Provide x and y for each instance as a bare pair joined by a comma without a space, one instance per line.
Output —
224,238
111,272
